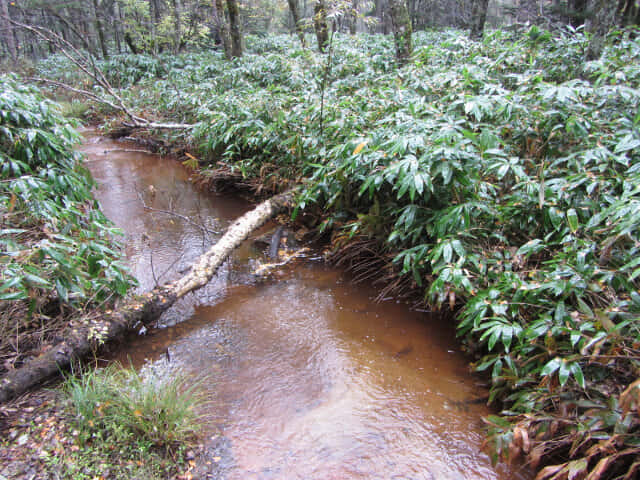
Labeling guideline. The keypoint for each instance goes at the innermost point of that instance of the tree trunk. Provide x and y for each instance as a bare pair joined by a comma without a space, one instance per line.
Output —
320,25
295,14
145,308
234,28
223,28
153,25
603,15
7,30
577,12
629,10
129,41
177,22
353,17
99,29
116,21
401,25
478,18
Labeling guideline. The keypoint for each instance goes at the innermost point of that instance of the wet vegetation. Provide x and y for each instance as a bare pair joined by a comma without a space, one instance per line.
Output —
59,259
129,425
499,180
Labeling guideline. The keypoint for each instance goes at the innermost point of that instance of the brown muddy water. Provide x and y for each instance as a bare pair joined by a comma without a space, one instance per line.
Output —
305,376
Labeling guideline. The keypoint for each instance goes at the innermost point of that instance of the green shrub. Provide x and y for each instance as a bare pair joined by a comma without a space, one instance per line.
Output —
53,237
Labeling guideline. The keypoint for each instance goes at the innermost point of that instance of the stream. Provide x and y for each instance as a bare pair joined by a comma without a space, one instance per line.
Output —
305,377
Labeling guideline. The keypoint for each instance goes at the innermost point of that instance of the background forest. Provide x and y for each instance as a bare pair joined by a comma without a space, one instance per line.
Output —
479,156
107,27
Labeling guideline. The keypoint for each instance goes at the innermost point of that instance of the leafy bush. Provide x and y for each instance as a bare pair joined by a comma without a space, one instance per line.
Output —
56,245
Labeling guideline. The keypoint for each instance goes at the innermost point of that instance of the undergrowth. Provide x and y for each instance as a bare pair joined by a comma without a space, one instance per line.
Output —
127,425
58,258
501,178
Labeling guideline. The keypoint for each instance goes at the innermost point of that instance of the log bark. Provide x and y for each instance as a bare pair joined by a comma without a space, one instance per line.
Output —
82,339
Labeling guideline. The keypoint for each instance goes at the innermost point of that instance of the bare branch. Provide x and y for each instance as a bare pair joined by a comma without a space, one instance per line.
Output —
86,65
84,93
175,214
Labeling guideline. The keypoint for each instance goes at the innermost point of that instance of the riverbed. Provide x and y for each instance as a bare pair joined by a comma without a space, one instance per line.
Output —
305,376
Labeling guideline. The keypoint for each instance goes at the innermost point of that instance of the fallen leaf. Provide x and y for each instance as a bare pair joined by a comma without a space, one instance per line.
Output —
359,148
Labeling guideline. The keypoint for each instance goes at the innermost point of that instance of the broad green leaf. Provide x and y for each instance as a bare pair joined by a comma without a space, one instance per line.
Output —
572,217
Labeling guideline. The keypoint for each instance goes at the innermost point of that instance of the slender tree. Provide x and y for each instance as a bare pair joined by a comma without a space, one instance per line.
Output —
353,17
603,15
577,10
320,25
177,22
401,25
295,14
629,12
478,18
154,21
223,28
235,28
7,30
97,12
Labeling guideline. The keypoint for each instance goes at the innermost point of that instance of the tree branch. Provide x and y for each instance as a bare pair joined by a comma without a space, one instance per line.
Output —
86,65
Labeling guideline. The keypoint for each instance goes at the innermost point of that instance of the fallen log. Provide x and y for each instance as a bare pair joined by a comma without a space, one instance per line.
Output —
82,339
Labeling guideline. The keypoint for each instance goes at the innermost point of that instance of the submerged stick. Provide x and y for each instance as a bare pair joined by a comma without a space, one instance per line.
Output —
81,338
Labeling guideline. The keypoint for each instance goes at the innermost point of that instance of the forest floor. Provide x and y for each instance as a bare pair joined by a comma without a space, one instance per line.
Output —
31,427
38,440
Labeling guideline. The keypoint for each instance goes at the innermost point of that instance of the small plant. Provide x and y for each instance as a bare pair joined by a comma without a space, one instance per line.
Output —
74,109
119,405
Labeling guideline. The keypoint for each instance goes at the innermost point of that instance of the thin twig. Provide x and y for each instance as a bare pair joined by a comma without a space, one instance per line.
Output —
153,272
87,65
174,214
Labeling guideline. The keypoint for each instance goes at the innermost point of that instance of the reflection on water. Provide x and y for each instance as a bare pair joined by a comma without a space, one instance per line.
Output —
306,378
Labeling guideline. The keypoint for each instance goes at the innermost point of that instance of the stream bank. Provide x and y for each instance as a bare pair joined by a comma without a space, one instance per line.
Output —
305,375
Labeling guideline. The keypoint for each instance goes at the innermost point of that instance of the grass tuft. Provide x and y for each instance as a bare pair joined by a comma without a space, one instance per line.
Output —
122,404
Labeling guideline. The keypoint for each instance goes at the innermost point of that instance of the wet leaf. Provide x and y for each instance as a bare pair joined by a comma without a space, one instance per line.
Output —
578,469
572,218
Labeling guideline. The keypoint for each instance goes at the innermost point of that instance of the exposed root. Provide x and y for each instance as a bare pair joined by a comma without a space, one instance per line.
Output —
572,442
224,179
363,257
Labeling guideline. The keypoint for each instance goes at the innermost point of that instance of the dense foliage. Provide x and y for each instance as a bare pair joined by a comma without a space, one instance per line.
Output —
502,178
57,248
